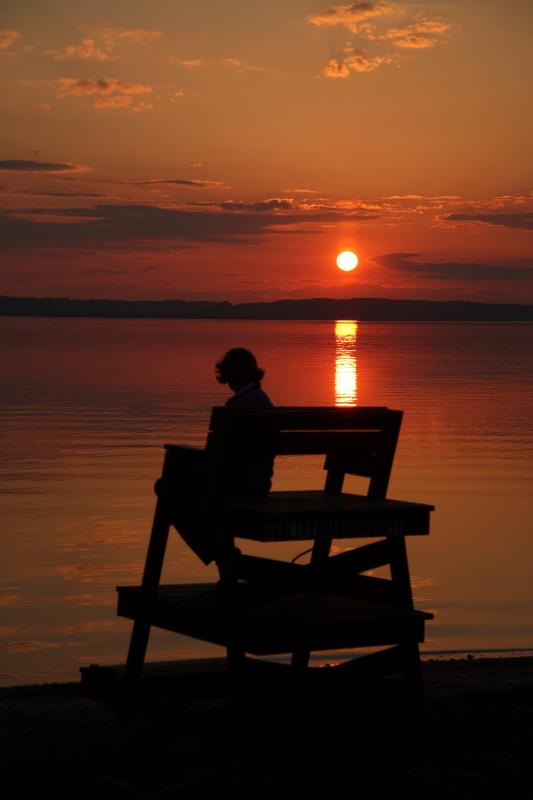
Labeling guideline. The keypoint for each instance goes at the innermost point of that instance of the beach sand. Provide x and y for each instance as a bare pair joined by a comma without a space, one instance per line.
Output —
477,742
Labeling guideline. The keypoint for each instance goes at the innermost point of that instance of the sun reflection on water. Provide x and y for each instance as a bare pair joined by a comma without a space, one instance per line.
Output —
345,363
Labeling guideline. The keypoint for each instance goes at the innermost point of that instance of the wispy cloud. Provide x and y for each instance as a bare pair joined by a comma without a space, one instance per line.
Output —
17,165
413,42
524,220
299,191
357,63
136,35
190,63
117,224
90,86
423,25
108,92
8,38
89,49
32,193
351,16
278,205
191,182
240,65
452,271
86,50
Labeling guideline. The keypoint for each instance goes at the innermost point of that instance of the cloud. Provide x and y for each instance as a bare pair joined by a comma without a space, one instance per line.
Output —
358,63
137,35
524,221
241,66
515,199
192,182
107,225
86,50
415,42
90,86
114,101
366,21
350,16
18,191
300,191
8,38
436,198
349,209
190,63
452,271
271,204
423,25
15,165
110,92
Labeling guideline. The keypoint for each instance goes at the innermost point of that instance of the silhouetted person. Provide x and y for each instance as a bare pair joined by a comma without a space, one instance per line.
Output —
247,472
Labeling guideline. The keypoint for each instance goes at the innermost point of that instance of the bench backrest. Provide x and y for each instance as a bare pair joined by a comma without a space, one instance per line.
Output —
355,441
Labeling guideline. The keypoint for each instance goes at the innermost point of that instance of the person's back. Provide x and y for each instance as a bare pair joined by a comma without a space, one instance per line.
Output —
249,466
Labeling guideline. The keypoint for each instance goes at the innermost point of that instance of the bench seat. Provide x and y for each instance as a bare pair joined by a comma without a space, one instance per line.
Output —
305,620
288,516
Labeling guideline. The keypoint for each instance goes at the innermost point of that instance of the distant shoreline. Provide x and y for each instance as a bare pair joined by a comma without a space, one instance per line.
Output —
369,309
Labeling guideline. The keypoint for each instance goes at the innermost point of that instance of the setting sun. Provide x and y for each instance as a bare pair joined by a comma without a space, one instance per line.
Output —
347,260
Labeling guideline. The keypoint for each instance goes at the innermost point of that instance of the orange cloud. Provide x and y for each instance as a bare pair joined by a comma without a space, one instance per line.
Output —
113,93
358,63
420,26
114,101
8,38
84,86
137,35
17,165
240,66
351,16
86,50
415,42
191,63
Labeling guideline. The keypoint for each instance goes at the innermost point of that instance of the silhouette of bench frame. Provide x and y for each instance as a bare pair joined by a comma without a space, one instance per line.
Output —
327,604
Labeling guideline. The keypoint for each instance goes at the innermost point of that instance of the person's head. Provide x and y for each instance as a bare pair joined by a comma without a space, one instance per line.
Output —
238,368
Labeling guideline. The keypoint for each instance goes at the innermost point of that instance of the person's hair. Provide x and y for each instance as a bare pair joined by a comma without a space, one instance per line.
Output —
239,366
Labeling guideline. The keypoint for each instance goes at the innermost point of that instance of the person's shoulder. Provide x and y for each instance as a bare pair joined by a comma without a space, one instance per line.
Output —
254,397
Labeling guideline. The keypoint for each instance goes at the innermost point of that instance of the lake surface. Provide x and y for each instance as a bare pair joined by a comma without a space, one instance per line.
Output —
87,404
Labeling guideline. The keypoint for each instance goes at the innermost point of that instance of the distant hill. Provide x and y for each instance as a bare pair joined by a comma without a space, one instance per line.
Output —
370,308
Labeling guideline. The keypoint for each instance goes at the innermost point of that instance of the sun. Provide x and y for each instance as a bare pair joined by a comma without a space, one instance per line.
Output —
347,260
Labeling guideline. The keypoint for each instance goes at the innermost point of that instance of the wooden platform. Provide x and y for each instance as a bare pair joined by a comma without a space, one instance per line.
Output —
305,620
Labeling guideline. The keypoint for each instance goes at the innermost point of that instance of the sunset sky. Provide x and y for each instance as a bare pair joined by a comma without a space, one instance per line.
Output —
229,150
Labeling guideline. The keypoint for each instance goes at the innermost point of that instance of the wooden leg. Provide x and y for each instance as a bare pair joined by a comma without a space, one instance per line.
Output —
238,679
319,561
399,567
300,659
141,627
134,667
413,677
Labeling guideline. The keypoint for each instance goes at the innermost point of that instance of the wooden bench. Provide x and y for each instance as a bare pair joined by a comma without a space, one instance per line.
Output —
291,608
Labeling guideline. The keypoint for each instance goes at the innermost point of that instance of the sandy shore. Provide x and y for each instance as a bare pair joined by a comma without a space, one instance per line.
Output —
479,741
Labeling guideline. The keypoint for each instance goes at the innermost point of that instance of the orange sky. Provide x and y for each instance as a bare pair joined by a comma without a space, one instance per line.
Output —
230,150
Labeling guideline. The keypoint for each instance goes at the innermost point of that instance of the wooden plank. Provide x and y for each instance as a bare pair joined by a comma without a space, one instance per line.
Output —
344,444
303,621
306,418
294,516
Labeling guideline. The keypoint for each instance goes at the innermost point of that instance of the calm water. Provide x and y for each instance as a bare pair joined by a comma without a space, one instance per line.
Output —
87,404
